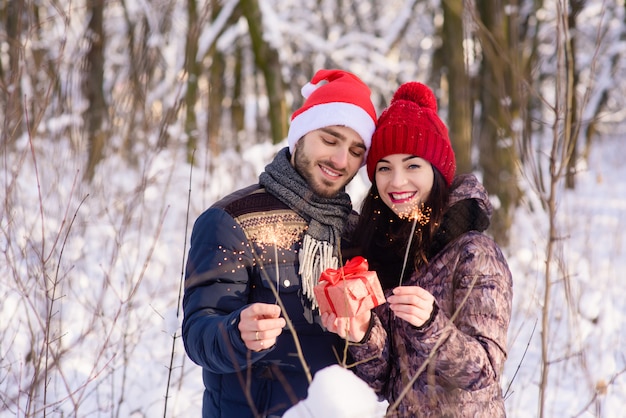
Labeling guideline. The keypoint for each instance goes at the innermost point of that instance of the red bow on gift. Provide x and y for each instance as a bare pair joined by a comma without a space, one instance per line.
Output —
349,290
355,265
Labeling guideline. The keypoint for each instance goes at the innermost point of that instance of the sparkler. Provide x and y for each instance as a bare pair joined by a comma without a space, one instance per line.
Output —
419,214
276,233
276,264
272,230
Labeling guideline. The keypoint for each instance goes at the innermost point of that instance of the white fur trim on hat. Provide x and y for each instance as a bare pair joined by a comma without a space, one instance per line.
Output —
331,114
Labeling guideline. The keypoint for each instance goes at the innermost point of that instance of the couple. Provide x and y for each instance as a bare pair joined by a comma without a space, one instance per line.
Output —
447,319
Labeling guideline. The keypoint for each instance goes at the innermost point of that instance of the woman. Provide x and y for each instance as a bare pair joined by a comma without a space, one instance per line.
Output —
438,347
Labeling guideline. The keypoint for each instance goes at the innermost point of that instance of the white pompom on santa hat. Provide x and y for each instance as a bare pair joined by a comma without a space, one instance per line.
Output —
334,98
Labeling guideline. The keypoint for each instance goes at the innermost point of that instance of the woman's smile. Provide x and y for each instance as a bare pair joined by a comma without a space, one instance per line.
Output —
402,197
404,181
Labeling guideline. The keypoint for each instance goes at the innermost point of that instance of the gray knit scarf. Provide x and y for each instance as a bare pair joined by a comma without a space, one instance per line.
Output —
326,216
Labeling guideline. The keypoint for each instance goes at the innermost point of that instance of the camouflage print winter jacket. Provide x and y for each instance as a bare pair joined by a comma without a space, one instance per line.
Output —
459,354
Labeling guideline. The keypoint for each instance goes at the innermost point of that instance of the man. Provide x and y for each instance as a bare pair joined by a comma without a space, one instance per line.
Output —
268,243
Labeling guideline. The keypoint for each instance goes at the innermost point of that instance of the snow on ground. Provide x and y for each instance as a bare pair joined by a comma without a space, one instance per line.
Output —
109,256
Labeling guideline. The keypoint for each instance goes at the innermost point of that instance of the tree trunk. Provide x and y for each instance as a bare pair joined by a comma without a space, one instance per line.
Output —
13,105
497,91
570,174
266,58
601,104
238,104
459,92
139,78
95,115
192,68
217,91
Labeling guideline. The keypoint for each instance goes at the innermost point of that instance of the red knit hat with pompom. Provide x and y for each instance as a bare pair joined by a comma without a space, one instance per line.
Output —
410,125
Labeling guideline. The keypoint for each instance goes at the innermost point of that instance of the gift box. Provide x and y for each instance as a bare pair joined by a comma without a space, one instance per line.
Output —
350,290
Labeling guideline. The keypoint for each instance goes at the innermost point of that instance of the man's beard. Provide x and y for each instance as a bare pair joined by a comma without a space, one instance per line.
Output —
304,166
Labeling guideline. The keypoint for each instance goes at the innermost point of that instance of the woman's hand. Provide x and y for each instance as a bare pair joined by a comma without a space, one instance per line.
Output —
353,329
412,303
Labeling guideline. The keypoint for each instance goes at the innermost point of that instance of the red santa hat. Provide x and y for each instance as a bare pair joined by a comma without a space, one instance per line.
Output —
410,125
334,97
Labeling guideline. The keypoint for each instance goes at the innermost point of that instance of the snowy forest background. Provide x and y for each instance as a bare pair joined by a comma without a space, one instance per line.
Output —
123,120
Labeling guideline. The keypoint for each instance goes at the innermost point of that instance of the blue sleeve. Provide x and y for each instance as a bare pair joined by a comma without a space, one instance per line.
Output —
217,285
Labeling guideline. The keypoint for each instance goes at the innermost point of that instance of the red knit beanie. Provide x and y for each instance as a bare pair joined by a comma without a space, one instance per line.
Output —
334,97
410,125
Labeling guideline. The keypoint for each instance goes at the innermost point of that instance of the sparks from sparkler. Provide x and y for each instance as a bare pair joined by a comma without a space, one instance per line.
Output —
277,234
419,214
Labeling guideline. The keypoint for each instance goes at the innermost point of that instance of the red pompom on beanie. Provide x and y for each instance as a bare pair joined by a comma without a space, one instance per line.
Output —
410,125
334,97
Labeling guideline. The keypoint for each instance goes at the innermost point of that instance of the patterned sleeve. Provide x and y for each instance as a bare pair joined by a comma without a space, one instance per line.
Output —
371,357
471,342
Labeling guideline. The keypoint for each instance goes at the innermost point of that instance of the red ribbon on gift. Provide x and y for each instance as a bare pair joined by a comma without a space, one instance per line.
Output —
357,264
353,267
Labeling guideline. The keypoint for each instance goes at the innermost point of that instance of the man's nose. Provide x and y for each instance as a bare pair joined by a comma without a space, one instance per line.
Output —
340,158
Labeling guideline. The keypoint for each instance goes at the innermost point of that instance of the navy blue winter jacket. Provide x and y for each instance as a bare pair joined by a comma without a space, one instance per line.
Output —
228,253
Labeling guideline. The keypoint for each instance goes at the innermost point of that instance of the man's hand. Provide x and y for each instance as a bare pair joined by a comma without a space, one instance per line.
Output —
259,325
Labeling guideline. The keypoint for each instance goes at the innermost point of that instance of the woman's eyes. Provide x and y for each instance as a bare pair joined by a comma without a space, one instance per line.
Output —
408,167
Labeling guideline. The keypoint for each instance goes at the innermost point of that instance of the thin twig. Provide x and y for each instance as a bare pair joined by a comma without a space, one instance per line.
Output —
180,289
519,365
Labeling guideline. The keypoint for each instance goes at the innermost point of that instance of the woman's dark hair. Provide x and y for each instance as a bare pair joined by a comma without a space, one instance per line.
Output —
383,236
